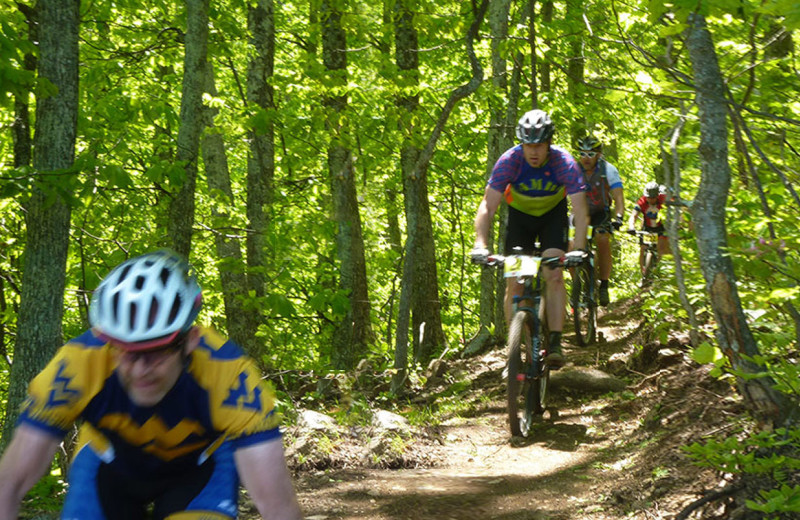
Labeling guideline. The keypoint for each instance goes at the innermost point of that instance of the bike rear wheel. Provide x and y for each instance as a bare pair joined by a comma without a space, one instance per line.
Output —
527,385
584,306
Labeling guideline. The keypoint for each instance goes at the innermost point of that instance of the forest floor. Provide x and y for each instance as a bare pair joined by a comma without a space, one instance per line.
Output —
592,457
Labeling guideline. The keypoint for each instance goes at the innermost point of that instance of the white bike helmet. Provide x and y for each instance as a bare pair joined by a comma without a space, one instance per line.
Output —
535,127
146,301
651,189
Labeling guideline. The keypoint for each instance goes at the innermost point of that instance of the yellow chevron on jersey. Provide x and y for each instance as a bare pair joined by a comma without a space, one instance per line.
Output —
221,395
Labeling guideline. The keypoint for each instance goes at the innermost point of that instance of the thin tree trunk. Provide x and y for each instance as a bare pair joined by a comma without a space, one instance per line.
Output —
406,49
47,216
229,255
708,210
261,160
575,66
531,8
497,142
353,330
673,179
181,210
547,19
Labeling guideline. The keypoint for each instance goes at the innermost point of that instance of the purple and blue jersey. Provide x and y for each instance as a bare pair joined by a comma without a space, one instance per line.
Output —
536,191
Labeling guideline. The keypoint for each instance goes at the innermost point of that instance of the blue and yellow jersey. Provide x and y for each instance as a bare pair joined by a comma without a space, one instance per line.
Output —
536,191
219,397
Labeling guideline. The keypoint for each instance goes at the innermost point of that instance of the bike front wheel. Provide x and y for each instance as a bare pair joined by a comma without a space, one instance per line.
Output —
527,384
650,261
584,305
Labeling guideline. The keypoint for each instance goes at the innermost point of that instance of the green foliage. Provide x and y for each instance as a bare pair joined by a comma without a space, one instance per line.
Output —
773,454
47,495
125,173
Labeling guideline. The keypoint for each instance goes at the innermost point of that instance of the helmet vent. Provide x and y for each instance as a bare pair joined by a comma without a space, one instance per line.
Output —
115,307
153,312
176,307
124,273
132,317
139,283
164,276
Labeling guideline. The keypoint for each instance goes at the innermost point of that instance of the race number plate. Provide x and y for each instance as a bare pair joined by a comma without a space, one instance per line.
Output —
517,266
650,238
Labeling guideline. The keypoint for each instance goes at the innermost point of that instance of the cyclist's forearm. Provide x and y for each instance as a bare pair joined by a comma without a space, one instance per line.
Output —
485,216
580,210
26,459
619,202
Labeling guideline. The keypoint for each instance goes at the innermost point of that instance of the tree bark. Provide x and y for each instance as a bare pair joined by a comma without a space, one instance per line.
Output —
708,211
426,315
353,330
47,217
181,210
575,68
240,321
406,57
498,140
261,161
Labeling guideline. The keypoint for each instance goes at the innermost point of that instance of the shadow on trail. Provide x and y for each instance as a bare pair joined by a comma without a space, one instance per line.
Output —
422,494
559,436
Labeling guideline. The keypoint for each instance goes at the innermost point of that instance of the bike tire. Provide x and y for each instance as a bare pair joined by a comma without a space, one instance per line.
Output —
520,394
584,305
649,267
540,386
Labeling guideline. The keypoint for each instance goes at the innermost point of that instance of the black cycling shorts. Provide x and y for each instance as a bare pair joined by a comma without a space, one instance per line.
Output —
525,230
208,491
601,222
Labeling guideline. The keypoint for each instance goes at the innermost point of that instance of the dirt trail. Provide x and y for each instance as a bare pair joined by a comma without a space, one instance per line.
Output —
597,458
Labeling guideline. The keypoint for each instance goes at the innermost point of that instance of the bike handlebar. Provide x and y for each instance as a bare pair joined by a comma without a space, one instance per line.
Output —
570,259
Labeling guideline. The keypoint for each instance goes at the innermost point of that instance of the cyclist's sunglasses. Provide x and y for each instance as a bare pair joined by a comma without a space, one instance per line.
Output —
588,154
151,358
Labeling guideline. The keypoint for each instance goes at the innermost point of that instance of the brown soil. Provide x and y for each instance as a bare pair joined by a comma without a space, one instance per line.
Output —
593,457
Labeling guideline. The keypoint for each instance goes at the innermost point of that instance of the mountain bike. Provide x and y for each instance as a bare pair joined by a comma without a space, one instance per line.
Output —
528,375
648,240
583,296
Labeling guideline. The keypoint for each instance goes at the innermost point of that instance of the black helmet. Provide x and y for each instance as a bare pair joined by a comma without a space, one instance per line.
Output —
589,143
535,127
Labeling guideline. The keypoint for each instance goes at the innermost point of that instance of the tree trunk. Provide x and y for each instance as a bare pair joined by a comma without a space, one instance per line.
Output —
575,69
708,211
497,142
547,19
533,84
47,214
181,210
406,57
426,316
261,161
240,321
353,330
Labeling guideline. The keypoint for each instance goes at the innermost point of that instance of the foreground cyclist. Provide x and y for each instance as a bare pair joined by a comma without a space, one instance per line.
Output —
648,206
535,178
605,186
173,415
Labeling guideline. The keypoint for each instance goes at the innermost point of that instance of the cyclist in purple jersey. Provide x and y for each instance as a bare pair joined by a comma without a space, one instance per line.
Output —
172,414
535,179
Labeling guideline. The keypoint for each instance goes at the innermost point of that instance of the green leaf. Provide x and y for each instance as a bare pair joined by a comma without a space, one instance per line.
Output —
706,353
